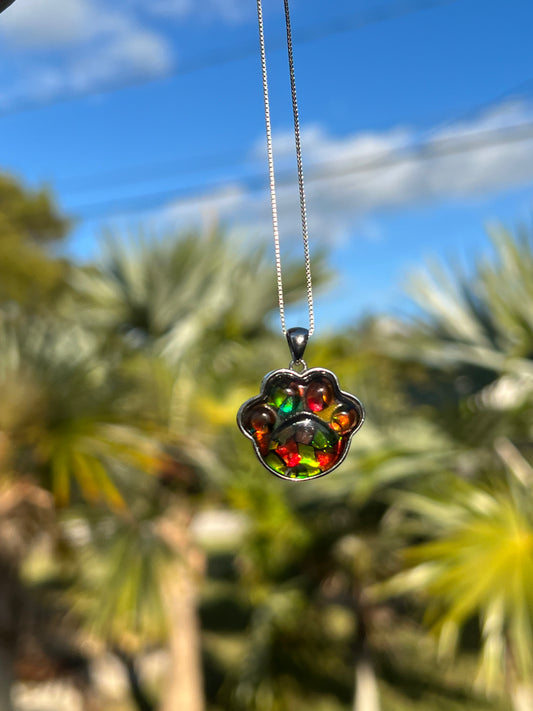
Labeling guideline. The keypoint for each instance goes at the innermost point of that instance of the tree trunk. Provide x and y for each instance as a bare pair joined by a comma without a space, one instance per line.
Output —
366,696
89,700
138,694
366,686
185,681
6,680
13,612
522,697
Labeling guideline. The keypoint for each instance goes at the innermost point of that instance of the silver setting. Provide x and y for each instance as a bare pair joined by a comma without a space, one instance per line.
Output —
295,364
305,378
297,339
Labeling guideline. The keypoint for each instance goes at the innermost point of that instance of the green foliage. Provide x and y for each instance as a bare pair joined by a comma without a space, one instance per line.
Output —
118,396
183,296
482,320
29,222
30,215
60,411
475,561
117,587
480,564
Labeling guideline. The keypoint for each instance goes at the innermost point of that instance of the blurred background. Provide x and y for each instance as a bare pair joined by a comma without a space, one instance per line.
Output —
147,561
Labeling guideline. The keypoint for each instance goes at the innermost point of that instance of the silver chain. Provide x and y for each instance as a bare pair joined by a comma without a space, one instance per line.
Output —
272,179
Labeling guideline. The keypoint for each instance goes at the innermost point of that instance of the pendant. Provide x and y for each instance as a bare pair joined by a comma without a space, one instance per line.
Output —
301,423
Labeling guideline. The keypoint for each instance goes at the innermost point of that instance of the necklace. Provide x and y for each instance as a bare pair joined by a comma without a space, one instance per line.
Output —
301,423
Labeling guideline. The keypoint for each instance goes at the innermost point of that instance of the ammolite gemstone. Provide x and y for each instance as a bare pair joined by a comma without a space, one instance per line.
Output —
301,424
319,395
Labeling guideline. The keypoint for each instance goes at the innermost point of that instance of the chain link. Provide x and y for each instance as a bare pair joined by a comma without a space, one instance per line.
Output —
271,172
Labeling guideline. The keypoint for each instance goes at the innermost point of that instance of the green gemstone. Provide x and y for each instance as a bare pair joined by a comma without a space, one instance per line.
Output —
285,399
308,466
305,475
289,405
324,439
308,456
275,463
278,398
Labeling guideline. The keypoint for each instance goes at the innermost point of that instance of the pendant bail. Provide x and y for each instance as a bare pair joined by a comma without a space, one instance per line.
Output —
297,339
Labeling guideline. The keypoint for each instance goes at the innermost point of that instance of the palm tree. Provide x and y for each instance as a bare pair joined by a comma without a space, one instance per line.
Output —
178,316
62,429
481,320
476,333
479,564
60,423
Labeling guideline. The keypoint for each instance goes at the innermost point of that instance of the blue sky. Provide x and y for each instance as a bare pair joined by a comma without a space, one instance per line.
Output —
152,112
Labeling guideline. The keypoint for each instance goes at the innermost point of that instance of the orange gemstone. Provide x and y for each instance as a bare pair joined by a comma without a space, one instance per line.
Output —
263,441
343,421
261,419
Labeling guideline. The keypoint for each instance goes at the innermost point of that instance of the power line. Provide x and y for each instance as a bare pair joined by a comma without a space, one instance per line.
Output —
141,172
339,26
138,174
515,90
324,171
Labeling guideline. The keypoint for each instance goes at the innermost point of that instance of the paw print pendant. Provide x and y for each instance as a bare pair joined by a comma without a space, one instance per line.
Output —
301,423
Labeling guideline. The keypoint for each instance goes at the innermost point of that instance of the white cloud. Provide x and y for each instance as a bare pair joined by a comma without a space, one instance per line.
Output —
371,172
53,24
38,24
139,53
232,11
52,48
60,46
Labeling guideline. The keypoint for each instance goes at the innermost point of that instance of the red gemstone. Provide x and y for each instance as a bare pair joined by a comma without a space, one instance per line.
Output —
282,451
293,460
325,459
319,395
288,452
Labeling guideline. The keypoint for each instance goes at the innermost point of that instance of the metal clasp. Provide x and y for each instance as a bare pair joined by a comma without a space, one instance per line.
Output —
297,339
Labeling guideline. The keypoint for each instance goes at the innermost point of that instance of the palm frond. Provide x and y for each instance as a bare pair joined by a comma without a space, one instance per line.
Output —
480,564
